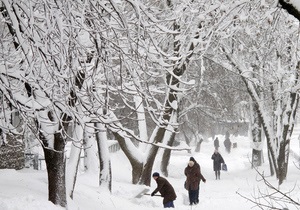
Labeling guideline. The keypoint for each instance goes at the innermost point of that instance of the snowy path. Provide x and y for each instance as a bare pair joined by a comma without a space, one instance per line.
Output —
27,189
219,194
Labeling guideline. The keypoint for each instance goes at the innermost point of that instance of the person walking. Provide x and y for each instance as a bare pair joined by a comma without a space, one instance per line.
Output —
217,161
193,177
216,143
166,190
227,142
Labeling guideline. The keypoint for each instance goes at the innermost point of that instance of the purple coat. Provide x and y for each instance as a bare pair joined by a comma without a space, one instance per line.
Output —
193,176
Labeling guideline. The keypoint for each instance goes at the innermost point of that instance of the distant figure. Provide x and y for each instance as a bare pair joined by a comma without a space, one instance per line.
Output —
216,143
193,178
166,190
227,142
217,161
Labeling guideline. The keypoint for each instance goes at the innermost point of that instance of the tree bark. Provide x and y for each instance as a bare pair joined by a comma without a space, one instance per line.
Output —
105,177
55,162
166,157
147,169
137,166
272,172
74,159
256,131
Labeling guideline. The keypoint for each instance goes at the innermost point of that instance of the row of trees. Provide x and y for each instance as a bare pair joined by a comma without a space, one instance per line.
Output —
265,54
82,70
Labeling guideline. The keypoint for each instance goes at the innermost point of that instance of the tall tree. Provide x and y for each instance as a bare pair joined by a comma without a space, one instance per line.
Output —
45,79
263,54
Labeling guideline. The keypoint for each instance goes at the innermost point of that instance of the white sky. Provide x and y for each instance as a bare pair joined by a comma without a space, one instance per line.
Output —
27,189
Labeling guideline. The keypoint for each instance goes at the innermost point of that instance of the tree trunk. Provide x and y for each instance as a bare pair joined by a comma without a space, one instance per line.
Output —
284,147
142,125
198,145
74,159
55,162
72,168
256,133
105,177
137,166
187,141
147,170
282,163
272,172
165,162
166,156
90,150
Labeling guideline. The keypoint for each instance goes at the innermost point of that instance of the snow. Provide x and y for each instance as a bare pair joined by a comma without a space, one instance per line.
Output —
26,189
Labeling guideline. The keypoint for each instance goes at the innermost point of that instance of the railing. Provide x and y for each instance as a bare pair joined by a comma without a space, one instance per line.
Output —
33,160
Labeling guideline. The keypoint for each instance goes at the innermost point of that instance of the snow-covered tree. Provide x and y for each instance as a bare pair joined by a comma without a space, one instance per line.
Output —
45,69
261,48
75,70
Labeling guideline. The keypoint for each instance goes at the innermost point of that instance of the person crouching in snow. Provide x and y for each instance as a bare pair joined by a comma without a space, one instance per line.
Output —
166,190
193,178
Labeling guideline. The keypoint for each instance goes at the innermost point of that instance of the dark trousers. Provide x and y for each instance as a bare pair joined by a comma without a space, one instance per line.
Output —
217,173
193,196
170,204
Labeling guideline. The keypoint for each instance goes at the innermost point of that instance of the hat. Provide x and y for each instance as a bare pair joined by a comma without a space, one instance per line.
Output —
155,174
192,159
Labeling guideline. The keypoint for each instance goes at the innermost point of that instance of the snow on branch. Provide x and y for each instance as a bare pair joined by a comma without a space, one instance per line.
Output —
128,135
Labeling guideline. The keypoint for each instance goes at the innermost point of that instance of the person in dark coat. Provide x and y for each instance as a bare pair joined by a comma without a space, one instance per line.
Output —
216,143
193,177
217,160
227,142
166,190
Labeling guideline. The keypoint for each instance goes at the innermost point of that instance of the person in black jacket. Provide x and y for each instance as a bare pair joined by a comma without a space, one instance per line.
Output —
217,160
227,142
216,143
166,190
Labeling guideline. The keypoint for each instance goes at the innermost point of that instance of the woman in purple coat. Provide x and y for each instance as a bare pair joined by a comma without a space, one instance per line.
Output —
193,177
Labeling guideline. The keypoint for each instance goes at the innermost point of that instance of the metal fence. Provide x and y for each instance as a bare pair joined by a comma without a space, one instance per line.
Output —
35,161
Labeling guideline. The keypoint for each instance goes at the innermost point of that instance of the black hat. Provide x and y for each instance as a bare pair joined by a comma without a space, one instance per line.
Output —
192,159
155,174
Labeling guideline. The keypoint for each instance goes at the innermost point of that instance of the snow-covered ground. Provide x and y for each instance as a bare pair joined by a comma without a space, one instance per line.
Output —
27,189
